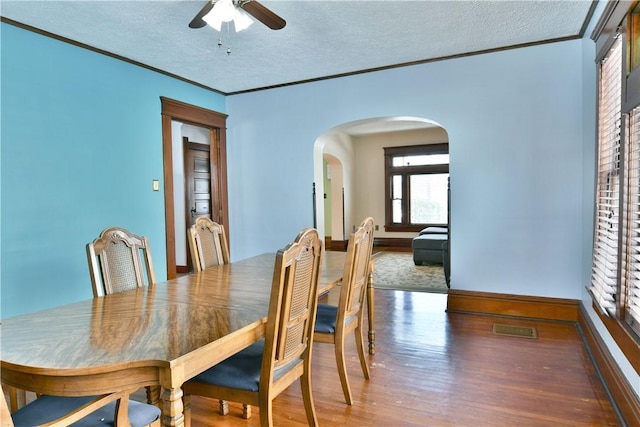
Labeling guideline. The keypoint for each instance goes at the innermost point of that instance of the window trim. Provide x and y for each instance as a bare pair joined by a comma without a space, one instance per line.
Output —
614,19
389,171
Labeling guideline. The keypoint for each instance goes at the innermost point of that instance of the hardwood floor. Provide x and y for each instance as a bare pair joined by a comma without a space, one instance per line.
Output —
446,369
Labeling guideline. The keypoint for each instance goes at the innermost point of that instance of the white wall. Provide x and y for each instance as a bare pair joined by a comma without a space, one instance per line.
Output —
336,145
514,120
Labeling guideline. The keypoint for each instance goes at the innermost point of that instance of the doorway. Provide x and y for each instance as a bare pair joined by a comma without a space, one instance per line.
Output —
356,151
334,219
215,125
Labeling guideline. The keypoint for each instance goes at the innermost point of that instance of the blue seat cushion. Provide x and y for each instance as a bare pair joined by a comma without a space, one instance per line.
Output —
241,371
326,318
48,408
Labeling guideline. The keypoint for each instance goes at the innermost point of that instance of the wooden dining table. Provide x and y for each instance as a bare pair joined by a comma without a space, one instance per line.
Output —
158,336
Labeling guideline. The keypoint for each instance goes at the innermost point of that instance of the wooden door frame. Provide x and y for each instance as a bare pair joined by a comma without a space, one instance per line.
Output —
198,116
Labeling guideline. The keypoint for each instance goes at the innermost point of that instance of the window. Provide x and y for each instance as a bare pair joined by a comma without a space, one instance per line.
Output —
615,279
417,180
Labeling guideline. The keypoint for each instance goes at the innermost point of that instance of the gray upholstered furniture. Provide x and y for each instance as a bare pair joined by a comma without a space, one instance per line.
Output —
430,246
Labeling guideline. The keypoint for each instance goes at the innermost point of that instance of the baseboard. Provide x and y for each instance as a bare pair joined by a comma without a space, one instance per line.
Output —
622,395
392,242
337,245
182,269
513,305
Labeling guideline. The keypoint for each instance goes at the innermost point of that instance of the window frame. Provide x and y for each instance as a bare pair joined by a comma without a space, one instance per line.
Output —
406,172
618,18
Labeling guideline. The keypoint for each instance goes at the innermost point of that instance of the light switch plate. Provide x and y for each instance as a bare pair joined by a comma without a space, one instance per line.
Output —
156,185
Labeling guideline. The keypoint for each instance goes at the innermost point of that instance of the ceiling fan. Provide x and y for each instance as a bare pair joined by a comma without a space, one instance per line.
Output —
252,7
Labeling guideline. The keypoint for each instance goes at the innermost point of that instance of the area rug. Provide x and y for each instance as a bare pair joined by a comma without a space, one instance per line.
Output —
396,270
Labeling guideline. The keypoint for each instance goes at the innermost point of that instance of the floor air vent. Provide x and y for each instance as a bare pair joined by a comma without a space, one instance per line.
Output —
515,331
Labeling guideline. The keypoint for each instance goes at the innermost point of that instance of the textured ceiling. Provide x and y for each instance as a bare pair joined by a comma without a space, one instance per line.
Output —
321,38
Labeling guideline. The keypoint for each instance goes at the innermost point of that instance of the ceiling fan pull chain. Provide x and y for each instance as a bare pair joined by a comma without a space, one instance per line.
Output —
229,38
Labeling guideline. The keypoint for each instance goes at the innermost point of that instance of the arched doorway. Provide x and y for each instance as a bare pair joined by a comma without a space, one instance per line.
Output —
356,150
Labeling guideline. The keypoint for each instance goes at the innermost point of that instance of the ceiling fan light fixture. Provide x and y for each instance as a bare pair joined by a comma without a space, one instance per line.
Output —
241,20
227,11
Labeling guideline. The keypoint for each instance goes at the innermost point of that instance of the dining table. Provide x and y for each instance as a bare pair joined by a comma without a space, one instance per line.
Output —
158,336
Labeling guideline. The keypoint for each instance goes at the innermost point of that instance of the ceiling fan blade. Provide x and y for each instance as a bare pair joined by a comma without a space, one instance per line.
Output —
197,21
264,15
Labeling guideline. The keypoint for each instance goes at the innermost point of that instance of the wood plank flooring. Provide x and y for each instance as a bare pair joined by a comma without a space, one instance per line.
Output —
433,368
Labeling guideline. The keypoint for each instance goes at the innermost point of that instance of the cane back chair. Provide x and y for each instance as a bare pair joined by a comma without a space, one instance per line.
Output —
259,373
334,323
208,244
116,259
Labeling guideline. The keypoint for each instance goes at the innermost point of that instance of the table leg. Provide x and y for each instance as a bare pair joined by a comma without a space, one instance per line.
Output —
172,408
153,395
371,311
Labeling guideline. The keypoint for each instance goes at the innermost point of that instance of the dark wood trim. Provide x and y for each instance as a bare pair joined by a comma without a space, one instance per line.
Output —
104,52
435,148
192,113
405,172
587,19
169,201
337,245
392,242
624,338
512,305
411,63
622,395
216,122
333,76
182,269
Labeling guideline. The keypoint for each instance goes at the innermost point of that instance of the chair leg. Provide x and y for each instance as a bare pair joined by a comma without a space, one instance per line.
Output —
223,407
307,399
186,409
342,369
361,352
17,398
246,411
266,411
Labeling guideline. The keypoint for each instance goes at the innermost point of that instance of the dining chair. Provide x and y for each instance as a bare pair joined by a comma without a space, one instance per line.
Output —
114,409
334,323
209,248
259,373
115,262
208,244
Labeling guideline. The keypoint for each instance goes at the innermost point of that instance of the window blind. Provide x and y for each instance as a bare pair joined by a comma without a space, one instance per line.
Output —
631,239
605,252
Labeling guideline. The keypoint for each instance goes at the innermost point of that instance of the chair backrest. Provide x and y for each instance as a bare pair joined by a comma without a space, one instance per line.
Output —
115,262
293,304
356,273
208,243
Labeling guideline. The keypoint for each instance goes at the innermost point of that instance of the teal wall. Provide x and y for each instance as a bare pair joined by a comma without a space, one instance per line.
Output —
81,143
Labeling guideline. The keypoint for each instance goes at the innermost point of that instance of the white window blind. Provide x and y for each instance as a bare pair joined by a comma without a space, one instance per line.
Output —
605,252
631,236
